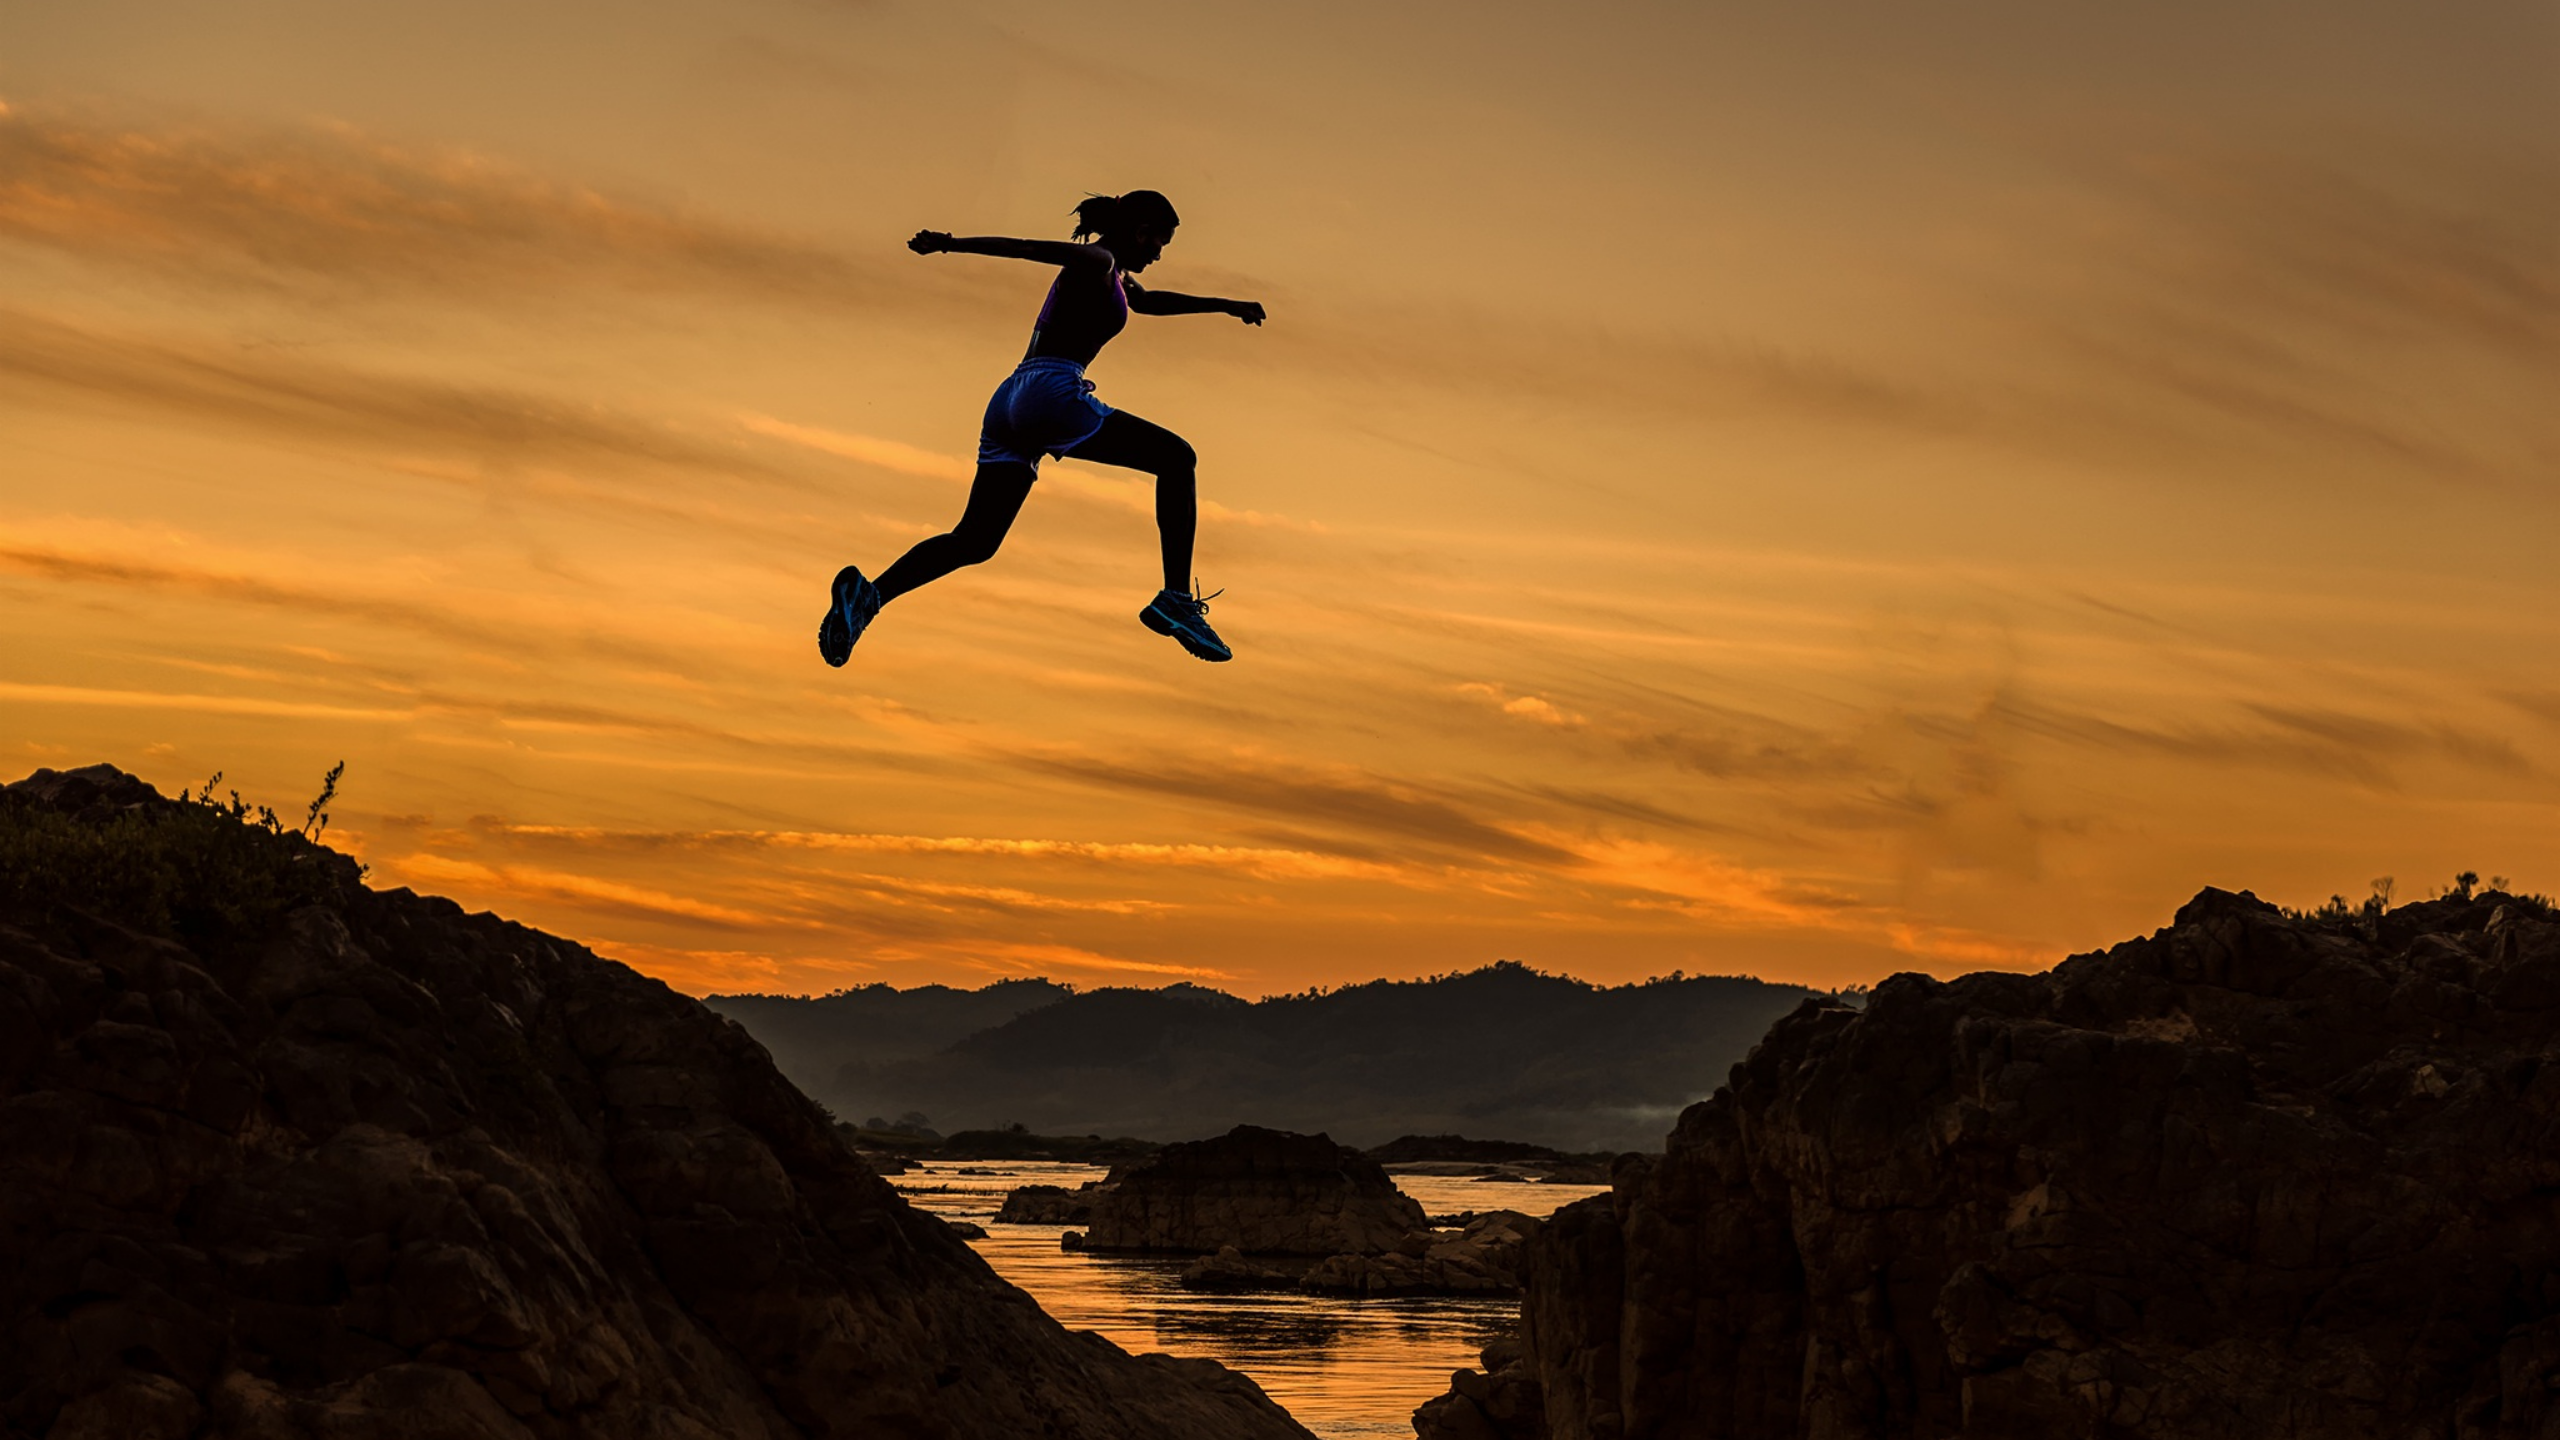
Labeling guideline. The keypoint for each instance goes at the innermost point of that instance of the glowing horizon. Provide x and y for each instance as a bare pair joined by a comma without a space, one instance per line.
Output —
1811,495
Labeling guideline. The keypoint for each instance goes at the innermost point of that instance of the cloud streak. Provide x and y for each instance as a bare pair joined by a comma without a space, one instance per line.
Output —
1262,862
1381,811
2313,741
309,601
2349,311
347,406
329,204
197,704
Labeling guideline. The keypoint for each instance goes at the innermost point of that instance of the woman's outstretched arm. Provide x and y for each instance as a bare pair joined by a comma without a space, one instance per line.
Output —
1172,302
1047,252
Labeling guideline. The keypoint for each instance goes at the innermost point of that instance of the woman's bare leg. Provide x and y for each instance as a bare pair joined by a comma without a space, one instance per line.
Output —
995,497
1135,444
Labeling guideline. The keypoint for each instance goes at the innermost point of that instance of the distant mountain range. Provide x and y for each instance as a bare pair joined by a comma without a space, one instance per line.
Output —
1502,1051
877,1024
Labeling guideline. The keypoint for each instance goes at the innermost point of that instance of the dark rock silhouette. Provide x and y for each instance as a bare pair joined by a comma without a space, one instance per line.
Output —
1480,1260
1500,1050
1413,1149
1503,1401
811,1036
1263,1192
1231,1272
375,1169
1488,1160
1023,1145
2256,1176
1048,1205
1483,1258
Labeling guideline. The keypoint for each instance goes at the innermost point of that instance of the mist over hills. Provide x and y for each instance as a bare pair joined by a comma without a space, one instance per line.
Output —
878,1022
1504,1051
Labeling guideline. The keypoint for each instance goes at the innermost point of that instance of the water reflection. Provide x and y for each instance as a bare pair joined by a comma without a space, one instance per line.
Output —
1252,1331
1347,1369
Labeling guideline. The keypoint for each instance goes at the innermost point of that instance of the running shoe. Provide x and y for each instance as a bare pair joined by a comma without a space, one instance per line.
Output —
856,601
1186,618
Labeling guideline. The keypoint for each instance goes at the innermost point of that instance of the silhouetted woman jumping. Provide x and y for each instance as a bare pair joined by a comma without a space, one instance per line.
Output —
1046,407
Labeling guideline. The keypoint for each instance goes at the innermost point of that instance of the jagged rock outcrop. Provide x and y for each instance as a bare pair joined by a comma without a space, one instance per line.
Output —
1048,1205
1409,1149
1501,1402
381,1170
1265,1192
2251,1178
1482,1259
1231,1272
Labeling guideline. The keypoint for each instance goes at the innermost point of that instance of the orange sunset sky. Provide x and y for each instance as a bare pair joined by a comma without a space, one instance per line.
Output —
1813,490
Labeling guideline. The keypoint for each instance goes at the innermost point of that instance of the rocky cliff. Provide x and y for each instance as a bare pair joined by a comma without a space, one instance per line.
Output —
1264,1192
2256,1176
364,1167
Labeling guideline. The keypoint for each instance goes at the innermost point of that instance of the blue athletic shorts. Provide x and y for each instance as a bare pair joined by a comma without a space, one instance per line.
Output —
1045,407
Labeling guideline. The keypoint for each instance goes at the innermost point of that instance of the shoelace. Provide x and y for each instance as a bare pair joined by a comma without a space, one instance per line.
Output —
1198,602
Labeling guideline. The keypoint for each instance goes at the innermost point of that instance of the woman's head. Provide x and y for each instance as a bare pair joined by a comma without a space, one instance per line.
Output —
1134,227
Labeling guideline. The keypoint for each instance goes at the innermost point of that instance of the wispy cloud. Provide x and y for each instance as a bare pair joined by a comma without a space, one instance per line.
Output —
1536,709
199,704
329,206
1381,810
1262,862
1709,886
2293,737
584,892
2413,245
328,203
1621,807
869,449
2329,308
404,612
2542,704
1969,948
277,394
1034,959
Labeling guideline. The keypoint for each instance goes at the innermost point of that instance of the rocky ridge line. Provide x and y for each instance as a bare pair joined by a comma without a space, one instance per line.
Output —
388,1171
2254,1177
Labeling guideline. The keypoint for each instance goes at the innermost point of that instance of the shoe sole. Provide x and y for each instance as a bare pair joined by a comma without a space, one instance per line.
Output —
1154,620
835,633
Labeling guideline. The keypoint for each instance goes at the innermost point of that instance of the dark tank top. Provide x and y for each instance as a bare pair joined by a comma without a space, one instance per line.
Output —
1080,316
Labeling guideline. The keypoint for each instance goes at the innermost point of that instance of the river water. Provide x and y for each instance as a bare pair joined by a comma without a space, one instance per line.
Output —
1347,1369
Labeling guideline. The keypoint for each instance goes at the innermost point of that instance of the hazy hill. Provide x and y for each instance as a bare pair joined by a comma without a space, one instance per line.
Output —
1503,1051
812,1037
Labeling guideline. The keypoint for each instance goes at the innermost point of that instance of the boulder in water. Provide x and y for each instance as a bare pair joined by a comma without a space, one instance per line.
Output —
1265,1192
1047,1205
1501,1402
1229,1271
1482,1260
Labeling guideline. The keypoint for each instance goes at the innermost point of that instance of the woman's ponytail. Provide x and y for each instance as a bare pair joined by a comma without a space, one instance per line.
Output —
1099,215
1095,215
